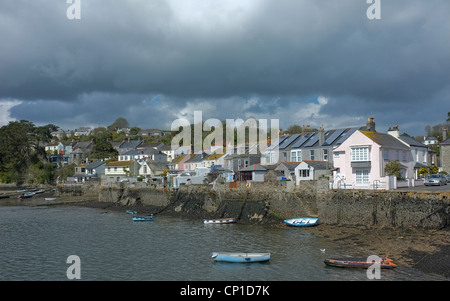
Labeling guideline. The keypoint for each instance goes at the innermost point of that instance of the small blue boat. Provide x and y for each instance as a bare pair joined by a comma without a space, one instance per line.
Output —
142,218
240,257
302,221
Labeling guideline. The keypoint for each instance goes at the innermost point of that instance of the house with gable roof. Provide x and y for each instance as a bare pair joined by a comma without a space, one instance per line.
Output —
361,159
311,170
419,151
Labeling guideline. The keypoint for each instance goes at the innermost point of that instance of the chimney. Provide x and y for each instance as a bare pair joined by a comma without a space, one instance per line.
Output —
370,126
321,135
394,132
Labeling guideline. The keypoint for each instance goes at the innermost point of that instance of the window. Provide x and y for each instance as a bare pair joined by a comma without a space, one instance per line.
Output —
296,156
362,176
304,173
311,154
360,154
385,154
403,156
325,155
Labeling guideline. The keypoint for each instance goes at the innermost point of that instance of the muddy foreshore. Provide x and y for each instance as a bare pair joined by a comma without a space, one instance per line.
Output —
424,249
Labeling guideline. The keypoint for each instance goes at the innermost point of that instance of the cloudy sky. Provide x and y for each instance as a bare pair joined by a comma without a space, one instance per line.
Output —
152,61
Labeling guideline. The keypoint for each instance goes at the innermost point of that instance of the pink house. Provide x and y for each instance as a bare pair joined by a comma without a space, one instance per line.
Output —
360,160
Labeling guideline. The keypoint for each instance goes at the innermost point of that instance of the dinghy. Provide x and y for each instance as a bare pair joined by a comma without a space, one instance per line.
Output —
359,262
302,221
240,257
220,221
142,218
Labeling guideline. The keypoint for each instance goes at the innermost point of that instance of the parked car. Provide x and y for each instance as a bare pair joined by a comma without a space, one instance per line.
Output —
436,179
448,178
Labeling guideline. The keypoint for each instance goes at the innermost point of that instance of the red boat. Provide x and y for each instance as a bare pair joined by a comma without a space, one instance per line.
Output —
359,262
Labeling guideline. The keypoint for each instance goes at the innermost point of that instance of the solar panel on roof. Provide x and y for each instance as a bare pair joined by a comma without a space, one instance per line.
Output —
302,140
277,142
312,140
334,136
289,140
346,135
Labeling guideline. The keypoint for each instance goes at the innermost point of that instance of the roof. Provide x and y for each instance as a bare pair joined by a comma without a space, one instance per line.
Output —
385,140
143,151
180,158
411,141
95,164
311,139
213,156
259,167
120,163
130,144
289,165
319,165
446,141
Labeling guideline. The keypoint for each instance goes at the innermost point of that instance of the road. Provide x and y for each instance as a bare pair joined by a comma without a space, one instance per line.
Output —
427,188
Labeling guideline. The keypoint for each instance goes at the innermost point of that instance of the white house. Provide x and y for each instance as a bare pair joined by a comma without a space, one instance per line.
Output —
311,170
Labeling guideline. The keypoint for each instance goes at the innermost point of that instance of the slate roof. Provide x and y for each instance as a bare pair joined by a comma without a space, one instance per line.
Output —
318,165
385,140
259,167
95,164
446,142
411,141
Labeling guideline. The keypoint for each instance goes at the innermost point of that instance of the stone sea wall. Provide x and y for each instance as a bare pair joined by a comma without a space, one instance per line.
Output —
273,202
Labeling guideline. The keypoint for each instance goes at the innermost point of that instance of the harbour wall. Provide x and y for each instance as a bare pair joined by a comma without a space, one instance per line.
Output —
273,202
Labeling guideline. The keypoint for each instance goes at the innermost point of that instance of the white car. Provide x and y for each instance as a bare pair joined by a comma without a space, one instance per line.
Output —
436,179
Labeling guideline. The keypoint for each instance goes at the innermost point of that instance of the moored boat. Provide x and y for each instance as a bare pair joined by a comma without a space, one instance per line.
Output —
359,262
142,218
228,220
129,211
240,257
302,221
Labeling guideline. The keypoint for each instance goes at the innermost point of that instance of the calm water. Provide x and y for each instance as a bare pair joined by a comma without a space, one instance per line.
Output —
35,243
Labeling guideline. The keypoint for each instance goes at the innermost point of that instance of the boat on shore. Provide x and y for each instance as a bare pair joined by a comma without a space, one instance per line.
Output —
229,220
142,218
129,211
302,221
359,262
240,257
25,195
50,199
4,196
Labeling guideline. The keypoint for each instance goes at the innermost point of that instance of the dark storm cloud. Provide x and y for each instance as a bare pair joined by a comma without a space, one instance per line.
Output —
269,57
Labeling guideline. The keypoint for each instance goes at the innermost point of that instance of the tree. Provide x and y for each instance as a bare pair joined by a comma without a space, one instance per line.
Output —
20,148
393,169
119,123
102,150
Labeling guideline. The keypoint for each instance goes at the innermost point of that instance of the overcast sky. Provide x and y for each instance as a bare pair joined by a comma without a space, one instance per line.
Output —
306,62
